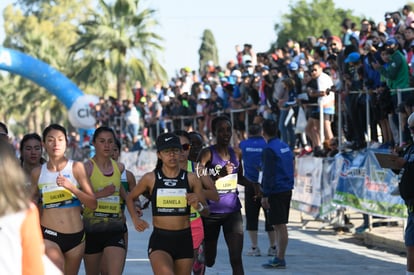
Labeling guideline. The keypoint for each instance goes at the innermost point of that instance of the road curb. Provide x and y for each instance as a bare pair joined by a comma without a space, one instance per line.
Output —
372,239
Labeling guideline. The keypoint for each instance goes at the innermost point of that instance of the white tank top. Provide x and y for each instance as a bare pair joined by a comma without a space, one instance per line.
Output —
52,195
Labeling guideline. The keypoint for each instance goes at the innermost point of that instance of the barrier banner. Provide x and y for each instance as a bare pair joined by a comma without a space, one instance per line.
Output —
362,184
306,195
328,187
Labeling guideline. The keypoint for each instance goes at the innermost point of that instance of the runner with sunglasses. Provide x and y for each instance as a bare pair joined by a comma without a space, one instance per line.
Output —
173,191
210,192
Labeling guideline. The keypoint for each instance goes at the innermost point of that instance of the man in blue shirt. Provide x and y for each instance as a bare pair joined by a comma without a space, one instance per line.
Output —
252,149
277,185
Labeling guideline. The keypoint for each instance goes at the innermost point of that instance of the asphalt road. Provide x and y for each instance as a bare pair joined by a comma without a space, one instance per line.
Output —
310,251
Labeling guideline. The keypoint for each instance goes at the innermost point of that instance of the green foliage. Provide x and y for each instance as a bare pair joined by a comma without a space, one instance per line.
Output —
118,40
208,50
100,48
44,30
311,18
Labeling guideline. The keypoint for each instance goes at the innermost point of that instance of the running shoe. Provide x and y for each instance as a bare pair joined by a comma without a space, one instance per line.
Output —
275,263
254,251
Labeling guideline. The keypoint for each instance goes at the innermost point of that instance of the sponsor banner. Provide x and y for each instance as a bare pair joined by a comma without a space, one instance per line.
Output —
354,180
362,184
307,193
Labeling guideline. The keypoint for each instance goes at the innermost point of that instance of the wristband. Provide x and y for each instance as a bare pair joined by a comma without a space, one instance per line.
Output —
200,207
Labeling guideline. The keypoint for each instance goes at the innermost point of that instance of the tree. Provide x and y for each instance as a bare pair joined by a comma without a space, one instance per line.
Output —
208,50
310,19
116,43
44,30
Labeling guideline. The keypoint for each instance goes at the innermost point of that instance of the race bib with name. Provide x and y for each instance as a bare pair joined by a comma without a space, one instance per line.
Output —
55,196
108,207
171,200
227,184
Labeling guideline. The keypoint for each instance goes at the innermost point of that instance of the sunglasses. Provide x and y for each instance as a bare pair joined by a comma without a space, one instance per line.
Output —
313,70
186,146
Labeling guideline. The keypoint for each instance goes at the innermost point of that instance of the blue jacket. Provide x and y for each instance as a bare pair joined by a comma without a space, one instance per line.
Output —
278,170
252,149
372,77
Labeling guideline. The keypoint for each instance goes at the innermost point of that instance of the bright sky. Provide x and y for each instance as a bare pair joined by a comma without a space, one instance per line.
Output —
232,22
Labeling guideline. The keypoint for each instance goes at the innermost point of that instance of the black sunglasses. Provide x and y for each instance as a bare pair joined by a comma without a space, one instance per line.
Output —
186,146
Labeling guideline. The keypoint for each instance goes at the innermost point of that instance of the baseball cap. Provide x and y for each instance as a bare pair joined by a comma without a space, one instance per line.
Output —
293,66
336,39
352,57
167,141
236,73
207,88
391,41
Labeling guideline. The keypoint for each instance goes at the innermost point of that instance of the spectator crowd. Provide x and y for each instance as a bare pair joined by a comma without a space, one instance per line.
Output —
360,68
295,92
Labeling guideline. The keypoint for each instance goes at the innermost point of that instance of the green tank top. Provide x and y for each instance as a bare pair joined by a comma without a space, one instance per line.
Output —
108,214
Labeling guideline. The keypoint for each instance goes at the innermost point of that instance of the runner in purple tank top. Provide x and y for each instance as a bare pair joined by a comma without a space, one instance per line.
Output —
223,165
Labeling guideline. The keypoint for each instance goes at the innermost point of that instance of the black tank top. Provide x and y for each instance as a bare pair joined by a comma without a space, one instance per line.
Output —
168,196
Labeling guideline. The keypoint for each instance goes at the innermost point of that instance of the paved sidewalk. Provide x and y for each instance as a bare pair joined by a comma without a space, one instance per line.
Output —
388,237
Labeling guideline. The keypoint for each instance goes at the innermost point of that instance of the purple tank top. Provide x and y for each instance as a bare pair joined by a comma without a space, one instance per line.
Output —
229,200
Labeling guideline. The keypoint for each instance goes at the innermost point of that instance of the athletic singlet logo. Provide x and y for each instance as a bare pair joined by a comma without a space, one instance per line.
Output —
170,182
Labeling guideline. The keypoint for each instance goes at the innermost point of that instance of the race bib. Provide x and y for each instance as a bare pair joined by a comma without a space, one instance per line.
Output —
227,184
55,196
108,207
171,198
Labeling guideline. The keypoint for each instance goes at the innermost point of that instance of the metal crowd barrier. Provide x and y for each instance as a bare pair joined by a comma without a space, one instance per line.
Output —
399,100
193,118
368,115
